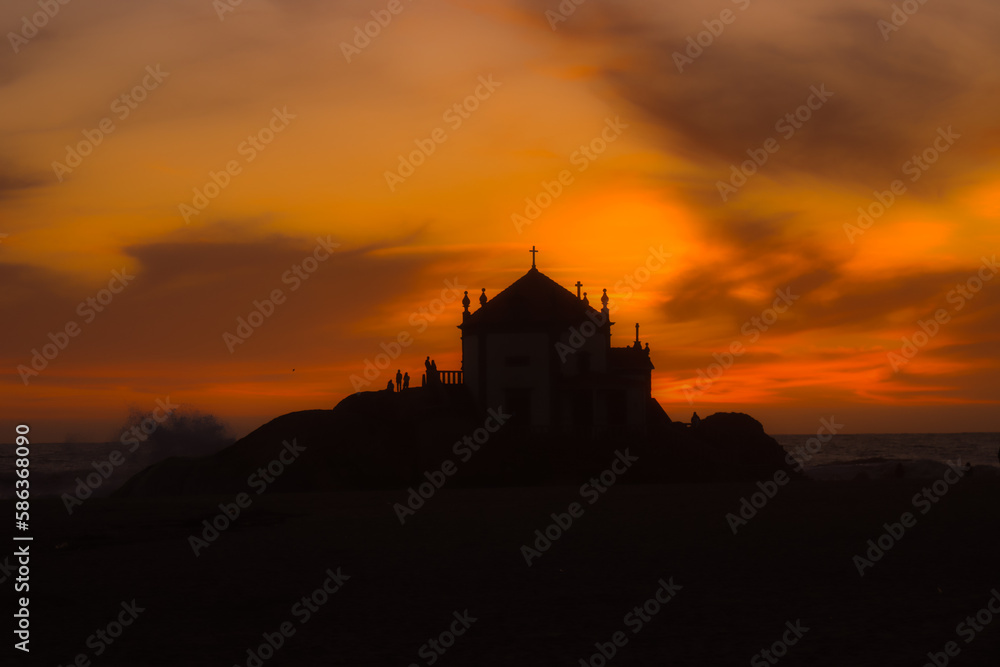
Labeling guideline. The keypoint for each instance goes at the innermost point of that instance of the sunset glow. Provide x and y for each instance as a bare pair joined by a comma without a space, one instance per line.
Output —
583,140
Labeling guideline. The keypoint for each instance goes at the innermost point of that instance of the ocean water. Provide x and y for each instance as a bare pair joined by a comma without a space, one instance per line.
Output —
972,448
59,467
888,455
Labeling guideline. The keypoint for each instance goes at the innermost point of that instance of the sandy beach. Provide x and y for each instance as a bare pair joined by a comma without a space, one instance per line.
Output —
396,587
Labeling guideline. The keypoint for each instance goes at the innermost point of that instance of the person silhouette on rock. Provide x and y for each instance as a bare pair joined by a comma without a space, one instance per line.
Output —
399,380
406,380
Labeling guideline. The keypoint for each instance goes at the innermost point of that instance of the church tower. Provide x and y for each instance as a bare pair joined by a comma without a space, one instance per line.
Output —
545,355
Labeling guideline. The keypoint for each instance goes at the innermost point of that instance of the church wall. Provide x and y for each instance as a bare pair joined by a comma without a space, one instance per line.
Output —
498,362
520,360
637,404
593,347
471,372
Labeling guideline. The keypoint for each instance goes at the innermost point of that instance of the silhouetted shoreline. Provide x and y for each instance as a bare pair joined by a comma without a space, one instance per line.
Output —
462,550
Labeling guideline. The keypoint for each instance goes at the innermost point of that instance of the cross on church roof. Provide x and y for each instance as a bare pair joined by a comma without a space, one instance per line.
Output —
533,251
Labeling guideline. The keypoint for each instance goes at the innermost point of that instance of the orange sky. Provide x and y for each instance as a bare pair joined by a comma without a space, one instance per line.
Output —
267,92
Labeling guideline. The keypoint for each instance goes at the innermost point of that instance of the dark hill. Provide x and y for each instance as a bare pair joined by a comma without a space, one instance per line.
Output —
390,440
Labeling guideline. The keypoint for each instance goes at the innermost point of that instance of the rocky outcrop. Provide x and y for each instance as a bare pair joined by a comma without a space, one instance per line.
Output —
395,440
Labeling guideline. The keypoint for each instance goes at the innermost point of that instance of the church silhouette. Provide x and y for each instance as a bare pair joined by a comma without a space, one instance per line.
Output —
540,382
545,355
